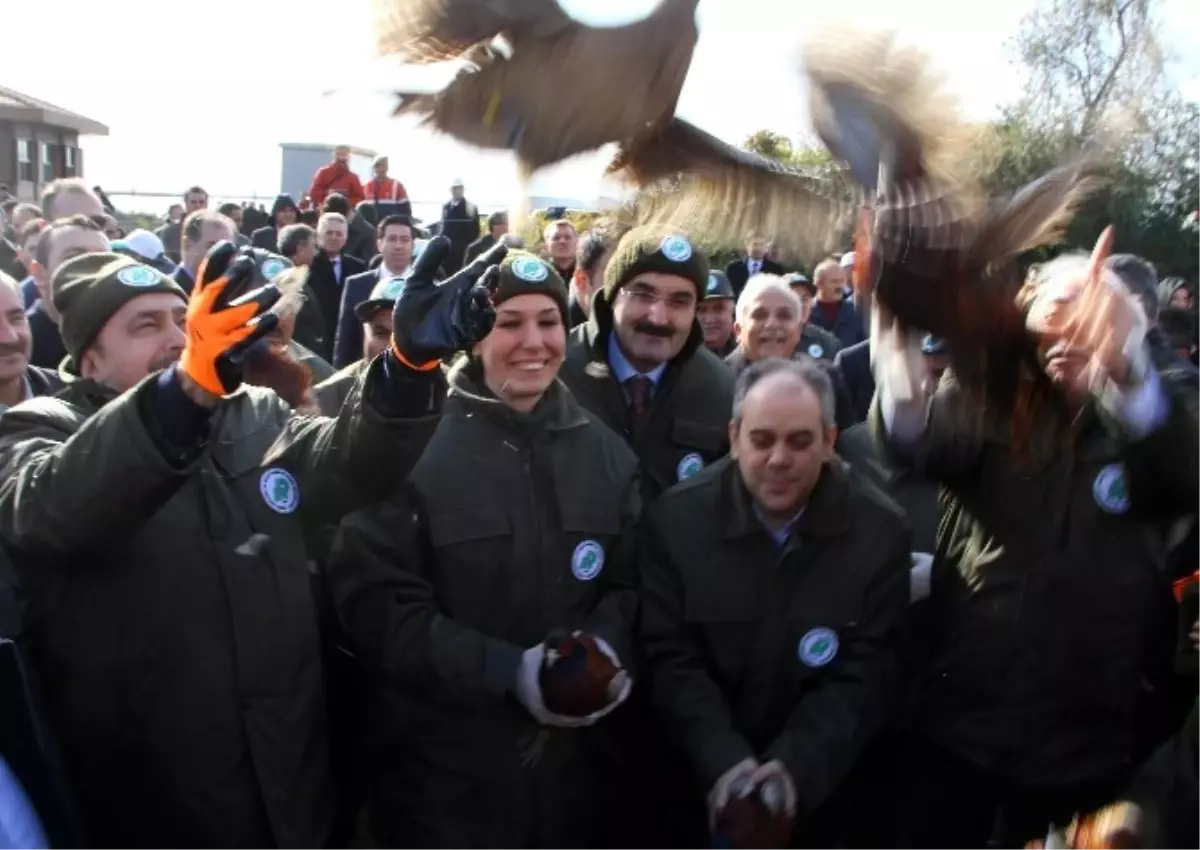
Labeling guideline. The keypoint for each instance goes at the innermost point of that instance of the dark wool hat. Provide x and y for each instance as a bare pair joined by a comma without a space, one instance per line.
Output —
655,249
718,286
88,289
523,273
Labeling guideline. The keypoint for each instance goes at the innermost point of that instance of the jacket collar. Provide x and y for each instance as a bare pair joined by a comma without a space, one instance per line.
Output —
557,410
826,515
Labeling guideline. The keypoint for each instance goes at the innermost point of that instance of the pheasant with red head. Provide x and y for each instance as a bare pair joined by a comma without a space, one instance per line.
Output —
579,676
755,816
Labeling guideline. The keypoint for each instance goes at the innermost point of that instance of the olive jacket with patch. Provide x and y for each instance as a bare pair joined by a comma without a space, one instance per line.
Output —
332,392
1047,585
761,651
171,612
512,524
686,425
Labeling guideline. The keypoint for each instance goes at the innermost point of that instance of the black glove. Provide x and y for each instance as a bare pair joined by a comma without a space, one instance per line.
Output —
432,321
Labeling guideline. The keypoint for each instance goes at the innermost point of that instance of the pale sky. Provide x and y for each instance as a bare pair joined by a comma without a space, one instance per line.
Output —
207,99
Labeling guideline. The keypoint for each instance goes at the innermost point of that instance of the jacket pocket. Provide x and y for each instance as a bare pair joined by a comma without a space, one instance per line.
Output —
585,557
471,565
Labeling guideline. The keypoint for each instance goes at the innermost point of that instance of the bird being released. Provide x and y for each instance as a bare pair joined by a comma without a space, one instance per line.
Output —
934,252
563,88
755,817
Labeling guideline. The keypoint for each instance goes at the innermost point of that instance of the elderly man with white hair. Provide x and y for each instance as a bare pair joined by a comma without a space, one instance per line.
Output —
771,320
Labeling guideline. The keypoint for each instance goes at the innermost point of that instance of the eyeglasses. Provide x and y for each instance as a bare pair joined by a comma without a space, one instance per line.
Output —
676,302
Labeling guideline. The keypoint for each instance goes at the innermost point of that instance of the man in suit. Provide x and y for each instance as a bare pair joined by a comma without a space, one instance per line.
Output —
19,381
460,224
194,199
201,230
331,268
854,365
497,228
395,243
755,261
834,310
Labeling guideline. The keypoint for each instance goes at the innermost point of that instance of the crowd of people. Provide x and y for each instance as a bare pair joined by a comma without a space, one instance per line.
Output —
320,528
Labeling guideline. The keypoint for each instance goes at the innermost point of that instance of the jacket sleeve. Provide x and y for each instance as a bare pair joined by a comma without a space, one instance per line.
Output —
382,589
614,616
64,494
832,724
355,192
949,447
362,455
695,713
320,186
347,343
1161,465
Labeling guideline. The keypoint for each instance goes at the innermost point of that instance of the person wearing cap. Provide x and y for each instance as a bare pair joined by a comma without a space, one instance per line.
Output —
376,316
1141,281
336,176
833,310
156,511
755,262
517,521
460,224
61,240
640,366
146,248
497,227
382,189
715,314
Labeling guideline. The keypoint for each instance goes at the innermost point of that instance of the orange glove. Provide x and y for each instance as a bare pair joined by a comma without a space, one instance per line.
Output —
221,324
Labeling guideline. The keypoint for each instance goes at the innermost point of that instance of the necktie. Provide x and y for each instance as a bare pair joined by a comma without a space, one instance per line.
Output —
638,388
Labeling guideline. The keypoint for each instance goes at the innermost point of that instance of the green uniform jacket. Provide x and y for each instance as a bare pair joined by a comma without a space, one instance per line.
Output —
758,651
1047,587
513,524
332,392
171,613
687,425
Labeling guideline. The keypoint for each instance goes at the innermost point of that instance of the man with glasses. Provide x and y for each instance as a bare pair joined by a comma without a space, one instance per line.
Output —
639,363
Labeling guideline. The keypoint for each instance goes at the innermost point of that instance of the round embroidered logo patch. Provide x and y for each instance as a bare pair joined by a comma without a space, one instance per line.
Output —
815,350
272,268
1109,489
392,289
139,276
530,269
279,490
676,249
587,560
689,466
818,647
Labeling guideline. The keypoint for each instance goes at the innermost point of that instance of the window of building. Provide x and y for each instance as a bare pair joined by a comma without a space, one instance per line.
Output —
24,159
47,159
69,161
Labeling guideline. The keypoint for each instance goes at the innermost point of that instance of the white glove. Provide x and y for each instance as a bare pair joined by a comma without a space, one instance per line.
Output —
920,577
775,780
718,797
529,692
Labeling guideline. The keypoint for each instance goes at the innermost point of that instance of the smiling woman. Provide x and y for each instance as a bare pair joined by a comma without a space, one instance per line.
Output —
494,597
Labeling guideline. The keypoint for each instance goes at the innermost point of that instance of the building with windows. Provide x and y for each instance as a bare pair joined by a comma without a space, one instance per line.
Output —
39,143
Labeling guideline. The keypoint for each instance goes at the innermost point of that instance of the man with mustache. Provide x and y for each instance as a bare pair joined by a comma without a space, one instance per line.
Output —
158,513
639,363
19,381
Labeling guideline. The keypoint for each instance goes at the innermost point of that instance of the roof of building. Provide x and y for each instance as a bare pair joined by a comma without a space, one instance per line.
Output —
15,106
305,146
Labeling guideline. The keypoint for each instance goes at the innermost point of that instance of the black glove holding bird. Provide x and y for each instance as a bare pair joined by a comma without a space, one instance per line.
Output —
223,321
432,321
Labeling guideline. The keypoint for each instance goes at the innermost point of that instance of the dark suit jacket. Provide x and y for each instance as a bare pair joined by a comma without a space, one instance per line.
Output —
348,345
326,291
48,349
847,326
477,247
360,240
738,274
184,278
854,365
